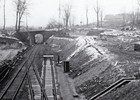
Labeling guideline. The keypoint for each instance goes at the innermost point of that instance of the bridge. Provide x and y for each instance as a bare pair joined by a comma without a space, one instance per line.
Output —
28,37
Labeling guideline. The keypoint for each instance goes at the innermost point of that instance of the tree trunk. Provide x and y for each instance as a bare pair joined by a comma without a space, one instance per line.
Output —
67,20
97,19
19,22
87,16
70,22
97,12
16,21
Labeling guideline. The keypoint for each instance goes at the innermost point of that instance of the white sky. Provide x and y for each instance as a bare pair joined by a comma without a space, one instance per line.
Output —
42,11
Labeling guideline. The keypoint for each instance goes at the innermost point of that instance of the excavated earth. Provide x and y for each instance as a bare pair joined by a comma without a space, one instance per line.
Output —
97,61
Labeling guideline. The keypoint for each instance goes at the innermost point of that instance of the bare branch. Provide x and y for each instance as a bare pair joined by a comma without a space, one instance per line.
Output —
67,13
21,7
97,11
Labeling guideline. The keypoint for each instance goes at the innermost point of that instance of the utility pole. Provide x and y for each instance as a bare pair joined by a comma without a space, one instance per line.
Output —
27,29
97,11
4,16
59,12
87,15
97,14
26,22
101,12
133,15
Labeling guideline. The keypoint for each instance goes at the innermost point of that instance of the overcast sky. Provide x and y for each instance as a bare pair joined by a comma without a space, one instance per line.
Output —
42,11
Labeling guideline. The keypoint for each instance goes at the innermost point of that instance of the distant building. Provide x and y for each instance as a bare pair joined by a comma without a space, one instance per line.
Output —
122,19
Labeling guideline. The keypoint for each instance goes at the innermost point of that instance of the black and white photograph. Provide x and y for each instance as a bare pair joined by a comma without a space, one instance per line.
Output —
69,49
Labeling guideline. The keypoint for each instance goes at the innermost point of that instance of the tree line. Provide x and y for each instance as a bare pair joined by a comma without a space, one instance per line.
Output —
68,19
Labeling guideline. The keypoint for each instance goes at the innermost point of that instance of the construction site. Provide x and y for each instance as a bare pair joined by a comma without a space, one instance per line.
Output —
70,50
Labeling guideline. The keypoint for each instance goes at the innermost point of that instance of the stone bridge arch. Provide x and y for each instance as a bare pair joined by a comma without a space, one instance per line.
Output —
38,38
29,36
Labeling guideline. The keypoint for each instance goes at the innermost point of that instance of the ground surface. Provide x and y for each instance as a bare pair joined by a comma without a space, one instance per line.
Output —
65,90
98,61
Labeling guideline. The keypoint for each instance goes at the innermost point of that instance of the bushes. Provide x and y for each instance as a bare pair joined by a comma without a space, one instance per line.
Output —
22,37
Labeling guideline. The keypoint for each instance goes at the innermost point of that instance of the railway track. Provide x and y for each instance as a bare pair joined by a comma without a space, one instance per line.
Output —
30,87
46,82
6,69
40,82
4,73
113,86
13,87
43,79
53,79
22,74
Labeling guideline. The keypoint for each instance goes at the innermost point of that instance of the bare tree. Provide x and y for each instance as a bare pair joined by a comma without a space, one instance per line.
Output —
67,13
64,21
21,7
137,15
87,14
97,11
70,21
53,24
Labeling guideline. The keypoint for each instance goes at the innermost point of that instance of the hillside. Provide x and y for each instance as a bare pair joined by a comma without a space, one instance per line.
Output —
9,47
98,61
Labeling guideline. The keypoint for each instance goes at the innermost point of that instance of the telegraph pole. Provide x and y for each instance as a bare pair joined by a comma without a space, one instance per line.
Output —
26,22
59,12
4,16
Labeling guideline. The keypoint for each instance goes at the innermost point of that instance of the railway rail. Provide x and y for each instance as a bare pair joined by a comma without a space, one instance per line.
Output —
43,79
30,87
7,65
53,79
13,88
47,80
37,83
41,82
4,73
43,91
113,86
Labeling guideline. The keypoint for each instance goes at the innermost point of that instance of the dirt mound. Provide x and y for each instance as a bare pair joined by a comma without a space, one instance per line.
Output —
95,64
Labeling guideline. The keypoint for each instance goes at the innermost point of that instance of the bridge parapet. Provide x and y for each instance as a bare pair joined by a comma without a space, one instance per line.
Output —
29,36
